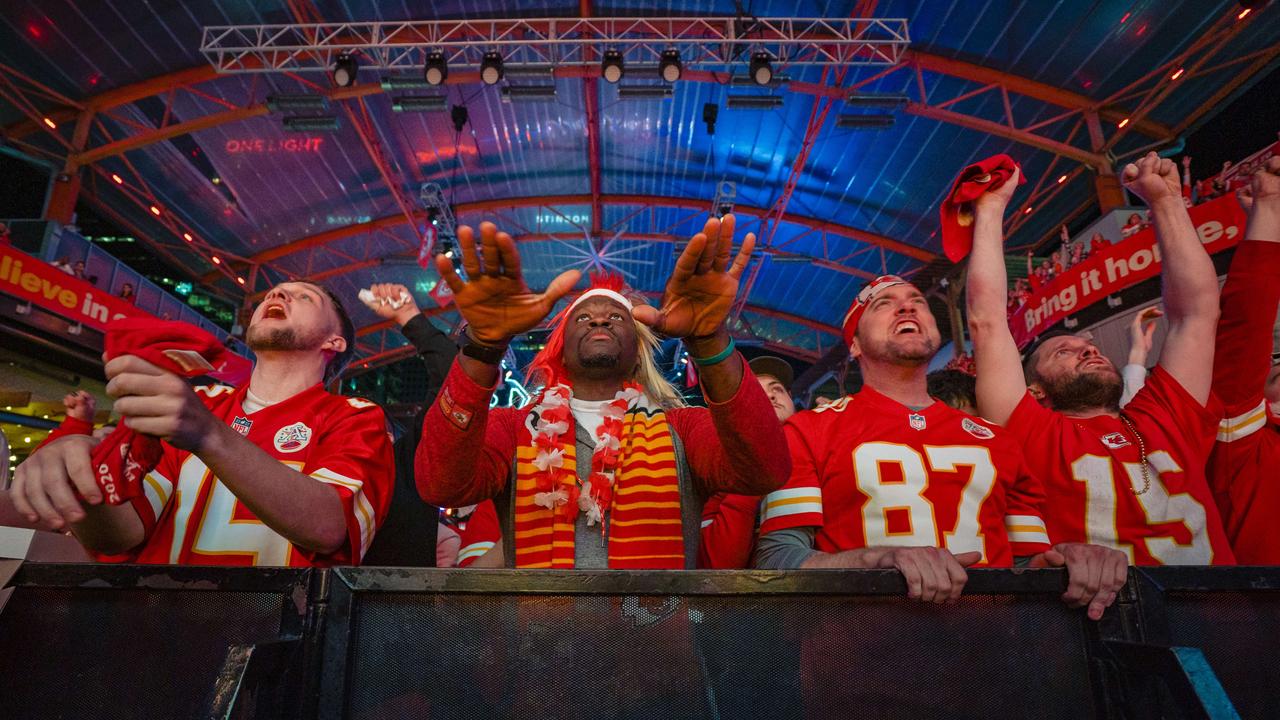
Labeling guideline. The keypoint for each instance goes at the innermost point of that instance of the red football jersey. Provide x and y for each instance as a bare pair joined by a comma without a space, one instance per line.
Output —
480,533
728,531
191,518
869,472
1092,474
1246,458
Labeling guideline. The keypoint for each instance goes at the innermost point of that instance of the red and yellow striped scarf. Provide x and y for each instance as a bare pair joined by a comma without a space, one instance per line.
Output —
644,521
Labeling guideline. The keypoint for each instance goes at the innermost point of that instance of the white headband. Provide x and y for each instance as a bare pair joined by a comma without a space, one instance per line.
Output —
602,292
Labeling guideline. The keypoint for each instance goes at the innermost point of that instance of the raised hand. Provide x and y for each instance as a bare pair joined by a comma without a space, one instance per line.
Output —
80,405
386,296
1153,178
1142,332
494,299
997,199
704,284
1263,188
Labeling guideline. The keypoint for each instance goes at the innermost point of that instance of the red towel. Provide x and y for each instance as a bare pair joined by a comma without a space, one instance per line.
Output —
957,208
122,458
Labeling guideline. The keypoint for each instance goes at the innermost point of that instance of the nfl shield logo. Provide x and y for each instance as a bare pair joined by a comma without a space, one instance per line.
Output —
241,425
916,420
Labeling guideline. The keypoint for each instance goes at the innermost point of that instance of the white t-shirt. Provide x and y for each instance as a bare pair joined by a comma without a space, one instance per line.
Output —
588,414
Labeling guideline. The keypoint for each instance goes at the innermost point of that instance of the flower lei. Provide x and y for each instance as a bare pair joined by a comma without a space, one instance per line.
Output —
558,489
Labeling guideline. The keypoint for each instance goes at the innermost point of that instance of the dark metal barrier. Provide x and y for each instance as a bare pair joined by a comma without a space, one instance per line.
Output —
86,641
96,641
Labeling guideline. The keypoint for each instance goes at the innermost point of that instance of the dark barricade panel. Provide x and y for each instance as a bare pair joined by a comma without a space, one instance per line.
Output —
1232,615
477,644
94,641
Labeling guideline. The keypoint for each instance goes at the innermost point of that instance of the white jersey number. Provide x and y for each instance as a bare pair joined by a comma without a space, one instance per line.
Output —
869,460
217,531
1095,471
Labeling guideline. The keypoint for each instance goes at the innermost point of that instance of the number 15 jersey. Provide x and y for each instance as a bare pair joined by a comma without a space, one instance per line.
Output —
869,472
1097,491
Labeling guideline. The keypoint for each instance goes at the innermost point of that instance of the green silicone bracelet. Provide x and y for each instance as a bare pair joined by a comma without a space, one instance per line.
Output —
718,357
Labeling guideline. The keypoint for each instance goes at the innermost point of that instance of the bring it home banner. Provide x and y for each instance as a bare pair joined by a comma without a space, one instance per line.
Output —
44,285
1220,223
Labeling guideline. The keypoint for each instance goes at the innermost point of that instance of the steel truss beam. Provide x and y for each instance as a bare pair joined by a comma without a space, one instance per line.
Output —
828,259
705,42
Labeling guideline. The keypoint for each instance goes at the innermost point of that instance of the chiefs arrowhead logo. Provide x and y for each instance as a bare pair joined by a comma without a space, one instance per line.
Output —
981,432
1115,440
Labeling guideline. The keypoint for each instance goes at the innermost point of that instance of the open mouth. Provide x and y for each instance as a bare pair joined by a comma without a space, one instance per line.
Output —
274,312
907,327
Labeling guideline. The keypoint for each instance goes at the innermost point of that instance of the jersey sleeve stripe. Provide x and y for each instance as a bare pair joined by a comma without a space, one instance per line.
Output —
1039,538
157,489
794,508
474,550
1026,529
365,516
1242,426
1031,520
799,492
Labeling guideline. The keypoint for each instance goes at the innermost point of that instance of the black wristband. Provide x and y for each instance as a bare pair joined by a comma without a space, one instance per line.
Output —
485,353
490,354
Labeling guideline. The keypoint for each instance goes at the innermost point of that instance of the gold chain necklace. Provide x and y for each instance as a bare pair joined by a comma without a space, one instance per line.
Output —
1142,454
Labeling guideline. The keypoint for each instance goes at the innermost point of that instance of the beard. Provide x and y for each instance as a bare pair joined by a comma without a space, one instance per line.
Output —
599,361
259,338
909,353
1085,391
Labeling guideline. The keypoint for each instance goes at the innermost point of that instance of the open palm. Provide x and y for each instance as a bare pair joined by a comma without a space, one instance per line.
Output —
703,285
494,299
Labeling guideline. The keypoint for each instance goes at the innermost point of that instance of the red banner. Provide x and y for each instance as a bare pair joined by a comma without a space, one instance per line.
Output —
1220,224
44,285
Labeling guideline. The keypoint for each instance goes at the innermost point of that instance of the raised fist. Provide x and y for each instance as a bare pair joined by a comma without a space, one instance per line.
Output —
389,302
1263,189
1153,178
80,405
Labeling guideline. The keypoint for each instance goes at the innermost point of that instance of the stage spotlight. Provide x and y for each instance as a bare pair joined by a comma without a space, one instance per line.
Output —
435,71
491,68
669,67
710,112
459,115
344,70
761,68
611,67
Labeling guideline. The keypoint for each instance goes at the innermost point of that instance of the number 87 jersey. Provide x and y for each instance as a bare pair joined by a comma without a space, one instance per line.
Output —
868,471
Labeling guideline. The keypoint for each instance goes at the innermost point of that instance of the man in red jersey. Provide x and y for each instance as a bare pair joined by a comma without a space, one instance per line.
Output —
1246,458
728,520
1133,479
278,472
606,468
891,478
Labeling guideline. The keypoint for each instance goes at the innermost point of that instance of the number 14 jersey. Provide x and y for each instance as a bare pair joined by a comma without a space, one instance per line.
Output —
192,518
869,472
